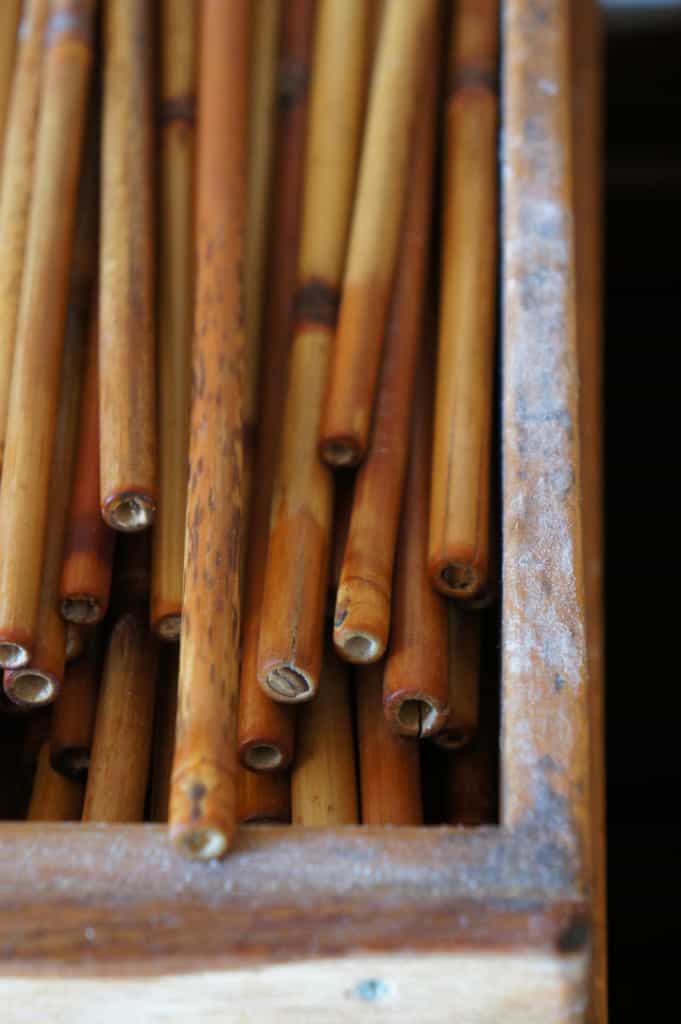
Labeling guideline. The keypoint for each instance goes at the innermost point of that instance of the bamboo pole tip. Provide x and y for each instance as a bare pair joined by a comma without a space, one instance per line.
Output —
71,762
359,648
286,683
453,738
129,513
201,843
417,716
457,579
263,757
13,654
169,627
341,453
30,687
83,609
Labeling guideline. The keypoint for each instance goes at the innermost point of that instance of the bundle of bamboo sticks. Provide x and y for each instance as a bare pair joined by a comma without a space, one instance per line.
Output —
247,320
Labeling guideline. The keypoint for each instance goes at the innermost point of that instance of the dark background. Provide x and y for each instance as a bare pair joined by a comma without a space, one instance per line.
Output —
643,335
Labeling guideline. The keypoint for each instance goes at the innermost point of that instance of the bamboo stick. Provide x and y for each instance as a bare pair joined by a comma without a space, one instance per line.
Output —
203,788
344,487
263,799
89,545
465,633
24,506
164,732
74,641
323,785
175,306
404,44
121,743
53,798
127,402
416,680
472,781
459,518
362,615
73,716
266,727
389,769
292,620
9,25
16,183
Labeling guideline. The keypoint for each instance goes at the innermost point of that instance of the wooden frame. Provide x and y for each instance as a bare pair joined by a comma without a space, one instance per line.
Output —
432,924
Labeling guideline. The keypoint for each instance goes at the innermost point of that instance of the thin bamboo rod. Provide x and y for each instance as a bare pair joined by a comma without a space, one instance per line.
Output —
416,679
389,765
9,25
74,641
164,732
263,799
73,716
127,391
53,797
465,636
404,45
266,727
175,308
292,620
203,788
16,166
362,614
459,510
24,509
323,784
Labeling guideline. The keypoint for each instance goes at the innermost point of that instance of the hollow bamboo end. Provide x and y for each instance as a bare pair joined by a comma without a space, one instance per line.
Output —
200,843
263,757
341,453
169,627
72,762
289,684
31,688
359,648
83,609
416,716
13,655
457,579
129,513
452,739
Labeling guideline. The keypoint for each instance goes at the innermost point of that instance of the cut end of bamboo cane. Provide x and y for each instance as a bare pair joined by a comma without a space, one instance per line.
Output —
72,762
129,513
263,757
83,609
289,684
31,688
457,579
359,648
341,453
13,655
201,843
417,717
169,627
452,739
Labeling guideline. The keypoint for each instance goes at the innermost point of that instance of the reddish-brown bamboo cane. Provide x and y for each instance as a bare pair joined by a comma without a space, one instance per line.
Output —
266,727
362,615
9,23
203,787
89,545
389,764
263,799
121,743
294,601
127,387
459,508
465,633
16,178
73,716
404,45
24,506
323,783
53,797
416,678
164,732
175,308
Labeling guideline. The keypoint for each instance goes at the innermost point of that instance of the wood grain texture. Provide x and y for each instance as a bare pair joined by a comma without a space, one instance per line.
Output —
404,46
127,383
460,490
294,601
587,56
9,23
362,614
203,787
16,170
544,737
175,307
24,508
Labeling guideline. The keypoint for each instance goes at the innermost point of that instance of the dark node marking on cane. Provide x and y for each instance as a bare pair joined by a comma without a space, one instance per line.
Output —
317,303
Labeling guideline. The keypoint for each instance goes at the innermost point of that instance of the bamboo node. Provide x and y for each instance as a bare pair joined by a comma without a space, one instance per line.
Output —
263,757
129,512
288,683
